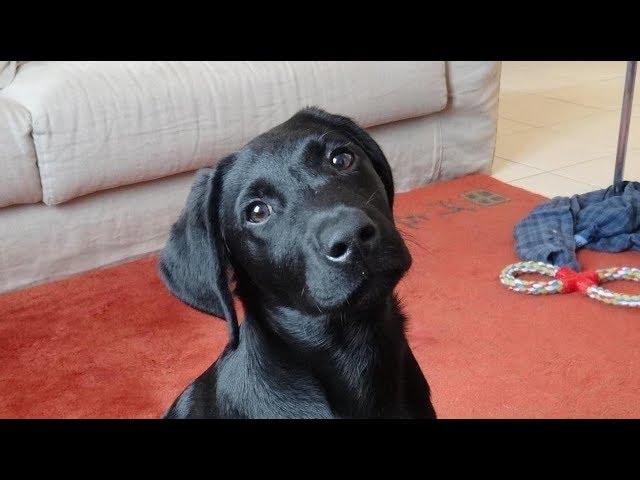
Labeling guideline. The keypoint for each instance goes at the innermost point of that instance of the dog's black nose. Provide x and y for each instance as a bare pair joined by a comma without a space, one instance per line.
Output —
345,231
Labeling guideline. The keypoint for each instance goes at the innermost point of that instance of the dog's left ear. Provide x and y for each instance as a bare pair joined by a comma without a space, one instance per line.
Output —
193,264
364,141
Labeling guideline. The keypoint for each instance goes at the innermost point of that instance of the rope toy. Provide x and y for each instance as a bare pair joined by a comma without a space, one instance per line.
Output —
566,280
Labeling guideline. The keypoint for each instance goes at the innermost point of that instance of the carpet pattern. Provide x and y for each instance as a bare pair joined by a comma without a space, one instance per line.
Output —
112,343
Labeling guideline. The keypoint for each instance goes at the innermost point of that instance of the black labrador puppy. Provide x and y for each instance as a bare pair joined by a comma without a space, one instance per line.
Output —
300,220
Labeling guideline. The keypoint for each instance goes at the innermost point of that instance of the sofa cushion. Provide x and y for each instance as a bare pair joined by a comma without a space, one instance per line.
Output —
19,180
97,125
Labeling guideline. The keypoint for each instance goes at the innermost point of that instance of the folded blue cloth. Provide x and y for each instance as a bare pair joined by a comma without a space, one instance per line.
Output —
605,220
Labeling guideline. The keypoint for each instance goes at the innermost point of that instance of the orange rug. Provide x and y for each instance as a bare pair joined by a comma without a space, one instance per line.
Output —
114,343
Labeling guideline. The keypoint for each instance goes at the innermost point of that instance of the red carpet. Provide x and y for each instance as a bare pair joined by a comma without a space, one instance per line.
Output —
113,342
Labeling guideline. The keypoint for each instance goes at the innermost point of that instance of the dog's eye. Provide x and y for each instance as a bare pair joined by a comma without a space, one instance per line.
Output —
342,160
258,212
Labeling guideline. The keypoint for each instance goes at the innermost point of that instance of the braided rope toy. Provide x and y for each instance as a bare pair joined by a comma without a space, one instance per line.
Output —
566,280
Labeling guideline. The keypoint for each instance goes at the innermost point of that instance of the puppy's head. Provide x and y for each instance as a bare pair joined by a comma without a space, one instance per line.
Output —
302,216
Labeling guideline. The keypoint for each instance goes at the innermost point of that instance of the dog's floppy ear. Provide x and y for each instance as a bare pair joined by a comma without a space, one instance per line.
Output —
193,264
364,140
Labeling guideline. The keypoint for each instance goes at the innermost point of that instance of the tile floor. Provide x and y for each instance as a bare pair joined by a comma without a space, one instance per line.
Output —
558,126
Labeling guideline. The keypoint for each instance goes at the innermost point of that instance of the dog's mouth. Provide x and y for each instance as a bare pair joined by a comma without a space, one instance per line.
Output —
362,286
375,286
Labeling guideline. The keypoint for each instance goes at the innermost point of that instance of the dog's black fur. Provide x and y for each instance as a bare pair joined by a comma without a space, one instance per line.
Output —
323,335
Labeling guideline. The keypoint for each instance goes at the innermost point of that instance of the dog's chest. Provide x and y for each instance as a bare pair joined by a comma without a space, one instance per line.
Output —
267,387
368,381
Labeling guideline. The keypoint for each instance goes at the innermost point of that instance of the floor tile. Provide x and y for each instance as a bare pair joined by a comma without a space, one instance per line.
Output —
539,111
559,123
536,77
551,185
507,127
546,149
604,94
601,129
507,171
599,171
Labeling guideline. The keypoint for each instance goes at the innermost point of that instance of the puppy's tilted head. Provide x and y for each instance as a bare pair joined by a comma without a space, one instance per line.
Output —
302,217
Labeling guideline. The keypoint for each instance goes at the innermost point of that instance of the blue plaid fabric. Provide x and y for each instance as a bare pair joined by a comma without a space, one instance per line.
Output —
606,220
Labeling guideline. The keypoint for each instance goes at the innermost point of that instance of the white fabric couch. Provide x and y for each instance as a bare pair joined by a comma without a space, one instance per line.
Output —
97,157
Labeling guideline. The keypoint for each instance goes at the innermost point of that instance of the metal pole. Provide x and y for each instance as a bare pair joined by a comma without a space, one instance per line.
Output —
625,119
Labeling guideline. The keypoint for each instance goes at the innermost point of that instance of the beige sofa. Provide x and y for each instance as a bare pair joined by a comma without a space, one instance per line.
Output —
97,157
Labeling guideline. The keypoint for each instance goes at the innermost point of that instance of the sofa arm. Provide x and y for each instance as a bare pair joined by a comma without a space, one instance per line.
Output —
469,124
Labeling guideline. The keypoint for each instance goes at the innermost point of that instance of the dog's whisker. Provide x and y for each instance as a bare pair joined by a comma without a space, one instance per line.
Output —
409,238
419,245
318,307
370,198
326,133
